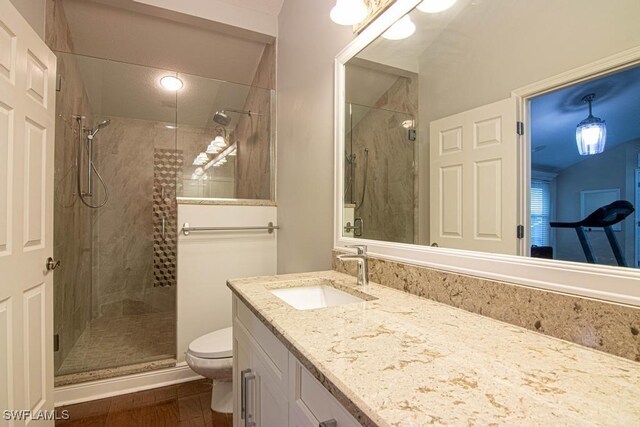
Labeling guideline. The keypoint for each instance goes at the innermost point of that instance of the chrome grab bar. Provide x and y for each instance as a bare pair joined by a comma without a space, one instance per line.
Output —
187,229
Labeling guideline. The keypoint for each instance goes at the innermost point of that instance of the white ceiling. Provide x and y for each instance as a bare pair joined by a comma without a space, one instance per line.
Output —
116,33
554,118
271,7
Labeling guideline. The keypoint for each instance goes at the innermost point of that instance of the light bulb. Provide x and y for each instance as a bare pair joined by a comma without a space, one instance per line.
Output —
171,83
219,141
402,29
349,12
212,148
435,6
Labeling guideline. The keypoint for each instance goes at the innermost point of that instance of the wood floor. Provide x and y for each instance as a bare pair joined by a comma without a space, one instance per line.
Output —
187,404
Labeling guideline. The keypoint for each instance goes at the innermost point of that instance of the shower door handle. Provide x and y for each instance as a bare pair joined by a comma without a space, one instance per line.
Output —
164,228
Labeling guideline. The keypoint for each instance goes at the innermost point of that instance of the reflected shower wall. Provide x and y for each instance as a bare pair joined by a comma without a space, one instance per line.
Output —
380,173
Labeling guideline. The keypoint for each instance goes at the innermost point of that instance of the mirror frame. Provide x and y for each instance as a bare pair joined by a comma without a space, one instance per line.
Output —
608,283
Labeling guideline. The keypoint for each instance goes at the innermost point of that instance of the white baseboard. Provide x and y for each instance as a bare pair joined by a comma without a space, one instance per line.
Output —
92,390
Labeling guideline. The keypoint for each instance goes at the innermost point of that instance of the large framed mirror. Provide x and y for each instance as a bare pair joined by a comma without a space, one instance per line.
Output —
471,139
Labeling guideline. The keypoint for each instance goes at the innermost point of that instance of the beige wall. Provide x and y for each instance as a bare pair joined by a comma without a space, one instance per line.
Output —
33,11
308,43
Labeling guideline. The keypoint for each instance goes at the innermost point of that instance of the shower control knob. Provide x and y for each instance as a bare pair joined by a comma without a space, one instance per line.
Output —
51,264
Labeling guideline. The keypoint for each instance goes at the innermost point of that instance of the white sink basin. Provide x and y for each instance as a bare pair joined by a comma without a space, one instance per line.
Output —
312,297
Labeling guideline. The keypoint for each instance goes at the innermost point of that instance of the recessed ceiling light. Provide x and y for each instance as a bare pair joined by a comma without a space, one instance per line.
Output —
402,29
171,83
435,6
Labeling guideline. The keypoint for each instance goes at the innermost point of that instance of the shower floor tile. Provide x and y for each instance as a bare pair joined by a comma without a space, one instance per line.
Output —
124,340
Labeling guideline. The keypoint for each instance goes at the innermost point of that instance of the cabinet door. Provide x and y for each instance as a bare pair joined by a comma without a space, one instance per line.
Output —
271,402
259,398
241,366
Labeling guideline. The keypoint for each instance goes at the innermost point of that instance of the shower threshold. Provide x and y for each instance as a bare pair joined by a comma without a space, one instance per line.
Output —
119,371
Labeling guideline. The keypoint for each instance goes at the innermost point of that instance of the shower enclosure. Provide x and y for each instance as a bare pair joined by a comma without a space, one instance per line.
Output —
126,149
114,222
380,183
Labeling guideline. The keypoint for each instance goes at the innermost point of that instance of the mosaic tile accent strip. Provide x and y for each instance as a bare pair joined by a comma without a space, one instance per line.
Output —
608,327
167,172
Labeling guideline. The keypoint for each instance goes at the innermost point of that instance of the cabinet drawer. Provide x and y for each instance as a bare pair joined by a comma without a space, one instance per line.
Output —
275,352
311,402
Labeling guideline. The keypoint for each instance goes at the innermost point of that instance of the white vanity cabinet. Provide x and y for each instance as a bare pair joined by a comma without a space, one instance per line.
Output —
271,387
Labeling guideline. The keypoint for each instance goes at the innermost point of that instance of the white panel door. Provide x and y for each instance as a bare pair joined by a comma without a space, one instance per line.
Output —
474,181
27,117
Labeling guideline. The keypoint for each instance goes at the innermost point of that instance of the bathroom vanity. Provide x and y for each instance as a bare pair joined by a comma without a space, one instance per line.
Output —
397,359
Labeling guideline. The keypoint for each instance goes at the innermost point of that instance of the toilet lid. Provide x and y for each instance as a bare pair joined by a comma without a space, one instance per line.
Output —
214,345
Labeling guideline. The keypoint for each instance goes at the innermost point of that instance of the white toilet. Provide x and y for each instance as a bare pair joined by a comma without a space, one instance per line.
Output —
211,356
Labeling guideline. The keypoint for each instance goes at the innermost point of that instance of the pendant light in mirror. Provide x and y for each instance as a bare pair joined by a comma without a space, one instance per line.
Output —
349,12
591,133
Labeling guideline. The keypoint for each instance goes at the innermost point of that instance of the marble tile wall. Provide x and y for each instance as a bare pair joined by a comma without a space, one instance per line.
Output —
253,134
72,220
123,230
388,208
612,328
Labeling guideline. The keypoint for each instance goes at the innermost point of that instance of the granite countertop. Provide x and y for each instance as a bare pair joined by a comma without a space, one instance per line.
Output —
402,360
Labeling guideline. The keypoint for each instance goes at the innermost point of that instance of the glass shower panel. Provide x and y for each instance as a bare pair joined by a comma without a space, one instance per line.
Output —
380,176
225,135
116,169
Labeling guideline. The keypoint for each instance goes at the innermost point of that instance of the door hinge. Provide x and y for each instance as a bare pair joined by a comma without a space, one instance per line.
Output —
56,342
59,83
520,231
520,128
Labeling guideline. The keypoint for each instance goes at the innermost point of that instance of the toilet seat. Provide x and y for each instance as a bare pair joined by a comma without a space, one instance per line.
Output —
214,345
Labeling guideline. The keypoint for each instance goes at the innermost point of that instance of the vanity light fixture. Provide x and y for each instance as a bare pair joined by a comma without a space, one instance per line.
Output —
212,148
349,12
402,29
435,6
591,133
220,139
171,83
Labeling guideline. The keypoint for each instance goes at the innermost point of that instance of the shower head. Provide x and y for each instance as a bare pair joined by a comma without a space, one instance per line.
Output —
222,118
103,124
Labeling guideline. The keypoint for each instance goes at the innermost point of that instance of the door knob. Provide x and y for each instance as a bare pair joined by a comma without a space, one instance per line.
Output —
51,264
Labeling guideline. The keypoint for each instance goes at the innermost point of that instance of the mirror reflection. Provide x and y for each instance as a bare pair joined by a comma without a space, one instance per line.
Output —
435,152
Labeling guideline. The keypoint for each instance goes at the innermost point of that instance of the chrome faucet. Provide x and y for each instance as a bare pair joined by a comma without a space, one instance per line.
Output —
361,258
